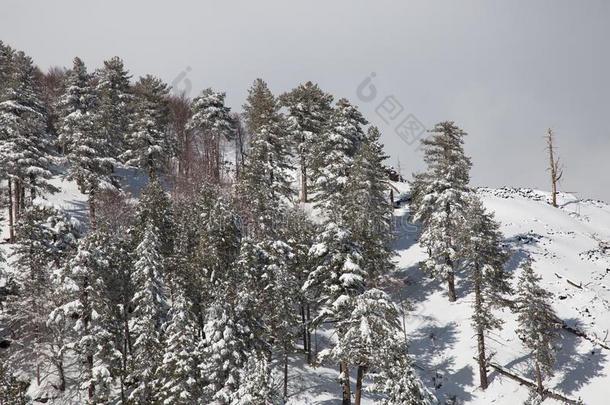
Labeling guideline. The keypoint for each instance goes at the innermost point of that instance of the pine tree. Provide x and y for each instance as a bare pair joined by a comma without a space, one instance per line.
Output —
443,201
148,317
179,381
366,208
85,147
84,281
398,381
226,350
334,154
299,234
364,333
260,106
25,145
44,240
336,279
114,111
537,323
155,207
266,269
257,386
310,109
264,186
486,259
147,143
212,119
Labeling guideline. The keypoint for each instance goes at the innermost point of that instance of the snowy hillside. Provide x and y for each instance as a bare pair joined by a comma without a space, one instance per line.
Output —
573,259
572,254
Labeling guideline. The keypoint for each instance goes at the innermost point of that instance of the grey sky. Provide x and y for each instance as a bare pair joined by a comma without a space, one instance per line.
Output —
503,70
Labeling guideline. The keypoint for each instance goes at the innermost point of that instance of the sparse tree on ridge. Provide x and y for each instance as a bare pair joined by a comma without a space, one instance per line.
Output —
555,168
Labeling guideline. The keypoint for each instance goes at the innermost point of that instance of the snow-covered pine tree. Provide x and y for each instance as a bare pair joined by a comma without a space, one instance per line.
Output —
310,109
25,145
370,327
155,206
259,107
257,386
85,147
89,309
212,119
45,238
444,201
264,185
180,380
226,350
398,381
206,245
148,317
537,322
147,143
299,234
333,156
366,208
269,287
114,112
337,277
485,258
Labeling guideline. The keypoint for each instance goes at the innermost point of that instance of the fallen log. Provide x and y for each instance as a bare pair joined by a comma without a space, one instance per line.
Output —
581,334
524,381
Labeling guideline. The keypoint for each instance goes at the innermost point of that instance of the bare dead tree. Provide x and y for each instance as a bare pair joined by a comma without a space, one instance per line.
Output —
555,167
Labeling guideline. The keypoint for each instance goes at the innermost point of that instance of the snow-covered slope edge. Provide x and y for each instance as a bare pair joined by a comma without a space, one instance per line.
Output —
571,253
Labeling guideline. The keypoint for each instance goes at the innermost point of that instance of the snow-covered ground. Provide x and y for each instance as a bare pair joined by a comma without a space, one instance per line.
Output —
571,248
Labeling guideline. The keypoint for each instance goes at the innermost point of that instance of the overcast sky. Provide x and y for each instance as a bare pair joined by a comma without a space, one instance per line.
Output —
502,70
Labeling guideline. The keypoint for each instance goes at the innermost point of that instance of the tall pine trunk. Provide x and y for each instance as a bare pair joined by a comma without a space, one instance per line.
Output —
303,181
478,308
92,207
344,376
304,322
309,347
539,379
285,373
11,213
359,378
451,287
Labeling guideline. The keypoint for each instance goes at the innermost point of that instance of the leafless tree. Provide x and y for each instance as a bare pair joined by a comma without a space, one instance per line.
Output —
555,167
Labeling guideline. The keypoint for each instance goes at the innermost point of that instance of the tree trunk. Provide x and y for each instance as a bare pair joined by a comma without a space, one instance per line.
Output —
61,376
285,374
554,167
11,210
16,203
22,198
304,321
480,332
451,287
92,217
309,348
32,189
303,181
539,379
359,378
344,375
